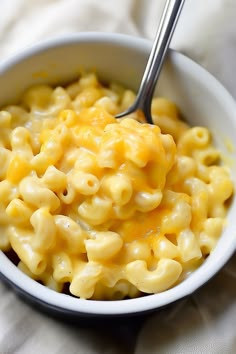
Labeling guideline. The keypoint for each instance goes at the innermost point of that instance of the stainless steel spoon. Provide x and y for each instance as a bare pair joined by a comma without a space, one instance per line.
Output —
155,61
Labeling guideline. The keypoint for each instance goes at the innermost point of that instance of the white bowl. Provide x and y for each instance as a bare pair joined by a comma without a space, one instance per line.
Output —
202,100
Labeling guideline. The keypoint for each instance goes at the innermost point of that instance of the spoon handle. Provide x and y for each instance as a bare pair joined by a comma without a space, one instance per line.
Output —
153,68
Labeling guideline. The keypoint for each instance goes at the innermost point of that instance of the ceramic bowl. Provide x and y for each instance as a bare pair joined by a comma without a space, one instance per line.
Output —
202,101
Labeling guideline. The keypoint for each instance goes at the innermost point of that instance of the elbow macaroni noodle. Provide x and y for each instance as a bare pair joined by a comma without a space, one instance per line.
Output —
114,208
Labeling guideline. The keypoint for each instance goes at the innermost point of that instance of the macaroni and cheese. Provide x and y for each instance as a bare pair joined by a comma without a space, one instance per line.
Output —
112,208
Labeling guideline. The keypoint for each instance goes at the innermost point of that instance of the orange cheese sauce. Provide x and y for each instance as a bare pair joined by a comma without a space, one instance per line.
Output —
114,207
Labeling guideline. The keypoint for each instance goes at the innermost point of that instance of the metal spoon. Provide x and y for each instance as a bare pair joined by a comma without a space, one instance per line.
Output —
152,71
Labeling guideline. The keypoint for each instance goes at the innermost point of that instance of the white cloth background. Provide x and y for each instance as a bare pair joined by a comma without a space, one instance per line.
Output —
203,323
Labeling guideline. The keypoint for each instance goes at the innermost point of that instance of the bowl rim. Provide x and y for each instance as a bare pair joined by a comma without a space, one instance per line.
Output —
67,303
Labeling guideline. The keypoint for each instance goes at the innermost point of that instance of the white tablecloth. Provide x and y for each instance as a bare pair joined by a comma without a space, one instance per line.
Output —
202,323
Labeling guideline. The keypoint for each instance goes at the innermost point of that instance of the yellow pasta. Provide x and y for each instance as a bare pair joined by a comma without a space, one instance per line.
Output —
116,208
